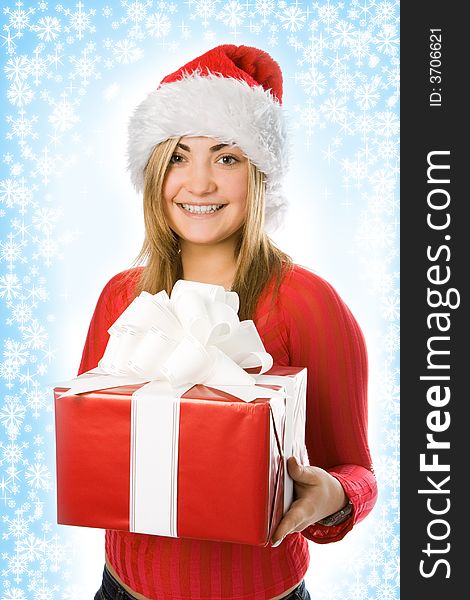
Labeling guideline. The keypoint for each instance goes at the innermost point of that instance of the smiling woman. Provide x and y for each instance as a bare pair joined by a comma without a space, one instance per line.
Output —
212,187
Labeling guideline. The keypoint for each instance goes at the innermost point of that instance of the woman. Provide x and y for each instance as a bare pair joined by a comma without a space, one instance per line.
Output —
208,148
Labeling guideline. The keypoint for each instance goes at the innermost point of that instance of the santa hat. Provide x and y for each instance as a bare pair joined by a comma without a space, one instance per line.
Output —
231,93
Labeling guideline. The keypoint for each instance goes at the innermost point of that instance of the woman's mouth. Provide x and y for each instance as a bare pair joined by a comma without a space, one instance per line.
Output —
201,211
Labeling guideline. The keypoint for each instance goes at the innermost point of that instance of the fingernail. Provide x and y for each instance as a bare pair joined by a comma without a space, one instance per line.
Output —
276,544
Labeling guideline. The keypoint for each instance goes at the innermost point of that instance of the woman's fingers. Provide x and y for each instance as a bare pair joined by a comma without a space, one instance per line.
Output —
294,518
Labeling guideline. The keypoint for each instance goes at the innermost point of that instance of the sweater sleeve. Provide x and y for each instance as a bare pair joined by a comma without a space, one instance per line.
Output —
325,337
114,298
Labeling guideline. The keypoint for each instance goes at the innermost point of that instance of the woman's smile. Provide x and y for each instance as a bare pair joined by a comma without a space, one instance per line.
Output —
201,211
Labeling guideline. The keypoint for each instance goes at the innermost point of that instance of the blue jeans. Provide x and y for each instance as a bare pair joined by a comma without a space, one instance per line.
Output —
112,590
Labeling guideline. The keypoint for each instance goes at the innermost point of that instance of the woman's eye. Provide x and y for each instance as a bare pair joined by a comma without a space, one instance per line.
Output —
229,160
176,159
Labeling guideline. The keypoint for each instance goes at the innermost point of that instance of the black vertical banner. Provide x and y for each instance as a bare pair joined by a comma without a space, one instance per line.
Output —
435,257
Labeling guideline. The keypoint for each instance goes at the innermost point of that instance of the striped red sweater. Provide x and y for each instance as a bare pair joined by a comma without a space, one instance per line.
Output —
309,326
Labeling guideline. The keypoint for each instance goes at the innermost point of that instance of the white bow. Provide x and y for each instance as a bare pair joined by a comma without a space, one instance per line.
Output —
194,337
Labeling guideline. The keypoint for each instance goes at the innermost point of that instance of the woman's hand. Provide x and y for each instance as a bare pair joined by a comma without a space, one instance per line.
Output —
318,495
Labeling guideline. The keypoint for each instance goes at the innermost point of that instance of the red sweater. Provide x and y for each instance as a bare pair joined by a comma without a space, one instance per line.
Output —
308,325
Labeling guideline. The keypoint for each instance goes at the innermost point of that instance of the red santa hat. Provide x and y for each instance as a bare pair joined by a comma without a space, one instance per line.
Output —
231,93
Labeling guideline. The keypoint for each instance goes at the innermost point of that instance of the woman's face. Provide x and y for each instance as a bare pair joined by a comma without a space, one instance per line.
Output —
205,189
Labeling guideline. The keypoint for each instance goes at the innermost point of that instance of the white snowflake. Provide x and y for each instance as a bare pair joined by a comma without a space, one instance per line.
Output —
80,21
313,82
85,67
19,19
232,14
265,8
367,95
34,335
17,68
387,40
158,25
38,476
30,547
37,400
47,28
20,93
22,127
292,18
126,52
204,9
63,116
12,414
10,286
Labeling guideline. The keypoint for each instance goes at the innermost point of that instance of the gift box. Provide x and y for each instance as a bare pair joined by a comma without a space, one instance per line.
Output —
204,464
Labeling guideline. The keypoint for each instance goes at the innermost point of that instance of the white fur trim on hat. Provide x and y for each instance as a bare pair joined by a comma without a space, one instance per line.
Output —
227,109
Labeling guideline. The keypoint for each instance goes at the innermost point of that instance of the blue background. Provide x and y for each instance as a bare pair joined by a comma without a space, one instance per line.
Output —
72,74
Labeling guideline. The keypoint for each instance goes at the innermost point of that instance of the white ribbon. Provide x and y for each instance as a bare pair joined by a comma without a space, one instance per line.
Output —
194,337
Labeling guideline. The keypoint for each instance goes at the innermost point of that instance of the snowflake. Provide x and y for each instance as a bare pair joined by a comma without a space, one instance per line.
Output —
385,12
158,25
232,14
10,286
308,116
387,40
79,20
38,66
107,12
17,68
205,9
367,95
34,335
293,18
390,308
8,191
334,109
345,82
11,416
136,11
47,28
45,165
20,94
343,34
63,116
19,18
85,67
392,340
126,52
313,82
21,312
17,566
21,127
387,150
327,13
359,46
31,547
38,476
387,124
264,8
36,400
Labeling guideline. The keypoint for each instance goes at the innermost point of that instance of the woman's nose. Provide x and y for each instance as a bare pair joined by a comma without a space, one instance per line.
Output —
200,180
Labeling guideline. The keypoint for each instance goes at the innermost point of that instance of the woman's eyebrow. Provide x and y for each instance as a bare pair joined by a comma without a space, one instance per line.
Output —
212,149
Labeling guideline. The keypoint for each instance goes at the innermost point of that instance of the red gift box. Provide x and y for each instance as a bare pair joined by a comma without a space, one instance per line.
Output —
231,477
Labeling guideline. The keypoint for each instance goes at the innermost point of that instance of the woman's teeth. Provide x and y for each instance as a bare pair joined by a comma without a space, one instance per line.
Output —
202,209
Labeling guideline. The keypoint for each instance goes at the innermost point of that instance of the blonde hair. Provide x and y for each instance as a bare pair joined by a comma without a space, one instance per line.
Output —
257,257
